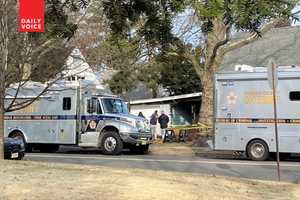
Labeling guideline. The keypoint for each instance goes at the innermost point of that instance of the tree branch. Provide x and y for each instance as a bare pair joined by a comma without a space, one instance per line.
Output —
193,56
219,45
47,44
251,38
23,104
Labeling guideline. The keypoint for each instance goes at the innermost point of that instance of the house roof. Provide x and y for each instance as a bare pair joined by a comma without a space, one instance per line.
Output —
77,66
165,99
282,44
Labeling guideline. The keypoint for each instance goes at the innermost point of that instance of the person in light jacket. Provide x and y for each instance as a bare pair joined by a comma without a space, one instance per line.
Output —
153,124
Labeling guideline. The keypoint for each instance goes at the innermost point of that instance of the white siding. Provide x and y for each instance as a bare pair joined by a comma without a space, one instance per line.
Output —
148,110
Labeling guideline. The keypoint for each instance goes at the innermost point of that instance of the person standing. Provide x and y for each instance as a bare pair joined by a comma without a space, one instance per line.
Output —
153,124
141,115
163,121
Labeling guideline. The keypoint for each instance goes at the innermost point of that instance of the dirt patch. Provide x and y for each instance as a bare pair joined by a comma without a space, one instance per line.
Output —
177,149
39,181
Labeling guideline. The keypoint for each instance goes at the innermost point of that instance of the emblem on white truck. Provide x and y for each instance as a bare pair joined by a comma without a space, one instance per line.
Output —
231,98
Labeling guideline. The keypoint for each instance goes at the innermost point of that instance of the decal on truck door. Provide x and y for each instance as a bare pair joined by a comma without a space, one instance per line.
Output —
93,124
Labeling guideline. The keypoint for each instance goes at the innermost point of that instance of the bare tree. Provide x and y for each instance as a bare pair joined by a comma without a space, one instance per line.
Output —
27,57
3,65
91,34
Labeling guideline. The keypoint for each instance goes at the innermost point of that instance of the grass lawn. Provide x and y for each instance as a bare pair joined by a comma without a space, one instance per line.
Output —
39,181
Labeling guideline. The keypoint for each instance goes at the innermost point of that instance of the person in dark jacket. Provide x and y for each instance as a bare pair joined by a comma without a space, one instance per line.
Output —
163,121
153,124
141,115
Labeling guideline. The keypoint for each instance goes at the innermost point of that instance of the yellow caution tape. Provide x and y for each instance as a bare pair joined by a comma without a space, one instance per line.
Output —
189,127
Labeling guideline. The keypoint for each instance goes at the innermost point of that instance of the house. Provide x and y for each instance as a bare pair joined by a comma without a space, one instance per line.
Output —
182,109
78,72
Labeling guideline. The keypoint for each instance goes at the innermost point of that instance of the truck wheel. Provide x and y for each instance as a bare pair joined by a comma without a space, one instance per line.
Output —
258,150
111,143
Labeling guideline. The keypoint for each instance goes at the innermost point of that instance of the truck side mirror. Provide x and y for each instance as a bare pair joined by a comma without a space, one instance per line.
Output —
91,107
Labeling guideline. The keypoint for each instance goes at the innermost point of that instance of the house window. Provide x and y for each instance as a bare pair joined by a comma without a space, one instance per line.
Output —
295,96
67,103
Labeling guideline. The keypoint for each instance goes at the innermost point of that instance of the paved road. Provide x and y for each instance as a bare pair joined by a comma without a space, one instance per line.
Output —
228,167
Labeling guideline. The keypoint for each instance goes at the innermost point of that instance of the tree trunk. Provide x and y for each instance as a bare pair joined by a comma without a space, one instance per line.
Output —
2,93
1,129
3,67
215,40
207,109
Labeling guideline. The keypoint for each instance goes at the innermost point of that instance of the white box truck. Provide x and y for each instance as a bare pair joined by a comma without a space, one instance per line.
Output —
76,116
244,119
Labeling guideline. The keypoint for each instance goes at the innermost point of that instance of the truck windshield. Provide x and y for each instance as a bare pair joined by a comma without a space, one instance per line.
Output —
115,106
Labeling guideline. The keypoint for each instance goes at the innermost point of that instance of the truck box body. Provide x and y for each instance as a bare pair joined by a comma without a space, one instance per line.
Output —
50,119
244,110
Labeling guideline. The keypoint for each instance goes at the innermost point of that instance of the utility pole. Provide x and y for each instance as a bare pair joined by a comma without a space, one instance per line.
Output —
273,80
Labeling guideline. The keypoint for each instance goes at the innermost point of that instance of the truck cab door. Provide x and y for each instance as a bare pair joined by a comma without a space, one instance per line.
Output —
90,119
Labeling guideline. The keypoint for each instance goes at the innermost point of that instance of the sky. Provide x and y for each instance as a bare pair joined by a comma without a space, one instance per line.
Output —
297,9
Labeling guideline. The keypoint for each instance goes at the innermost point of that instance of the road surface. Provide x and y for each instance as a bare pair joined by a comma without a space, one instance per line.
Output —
266,170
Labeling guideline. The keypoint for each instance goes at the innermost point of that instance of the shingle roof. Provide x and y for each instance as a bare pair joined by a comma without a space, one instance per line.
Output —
283,44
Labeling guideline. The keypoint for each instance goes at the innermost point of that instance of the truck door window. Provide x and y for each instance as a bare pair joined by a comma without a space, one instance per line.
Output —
67,103
92,105
295,96
114,106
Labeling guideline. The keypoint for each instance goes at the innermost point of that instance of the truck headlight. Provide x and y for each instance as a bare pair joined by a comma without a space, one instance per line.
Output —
140,125
143,126
147,125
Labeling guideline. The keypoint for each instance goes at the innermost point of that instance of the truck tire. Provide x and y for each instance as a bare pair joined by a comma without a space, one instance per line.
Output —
143,149
258,150
111,143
